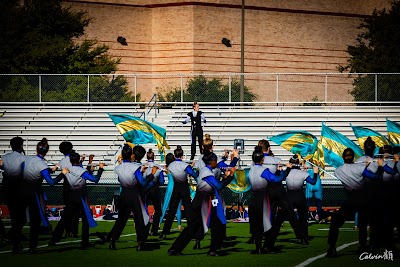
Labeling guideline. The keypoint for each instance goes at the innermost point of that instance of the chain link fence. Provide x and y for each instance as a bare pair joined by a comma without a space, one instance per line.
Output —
333,195
260,87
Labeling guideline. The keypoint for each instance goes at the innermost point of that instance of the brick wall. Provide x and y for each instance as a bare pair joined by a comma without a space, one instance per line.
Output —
172,36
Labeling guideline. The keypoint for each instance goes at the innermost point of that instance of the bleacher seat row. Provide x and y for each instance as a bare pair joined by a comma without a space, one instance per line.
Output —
91,131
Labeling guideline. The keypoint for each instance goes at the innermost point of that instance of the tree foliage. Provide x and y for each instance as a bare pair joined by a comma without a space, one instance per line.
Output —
377,51
39,37
202,89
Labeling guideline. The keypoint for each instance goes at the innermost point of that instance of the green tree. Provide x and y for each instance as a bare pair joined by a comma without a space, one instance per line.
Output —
38,38
314,102
377,51
74,88
207,90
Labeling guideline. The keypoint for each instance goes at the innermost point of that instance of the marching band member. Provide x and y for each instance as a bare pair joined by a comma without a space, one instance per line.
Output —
208,144
180,171
280,205
388,199
66,148
352,177
12,178
35,169
207,188
196,117
294,185
77,200
130,176
153,194
259,177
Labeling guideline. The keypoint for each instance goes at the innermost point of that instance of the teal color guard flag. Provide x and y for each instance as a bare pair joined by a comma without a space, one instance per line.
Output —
334,143
138,131
362,134
241,181
298,142
393,130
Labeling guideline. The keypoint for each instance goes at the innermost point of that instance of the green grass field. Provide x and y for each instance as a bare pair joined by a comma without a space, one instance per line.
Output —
291,253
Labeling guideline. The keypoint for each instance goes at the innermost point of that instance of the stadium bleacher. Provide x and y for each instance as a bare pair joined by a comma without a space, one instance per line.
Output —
91,131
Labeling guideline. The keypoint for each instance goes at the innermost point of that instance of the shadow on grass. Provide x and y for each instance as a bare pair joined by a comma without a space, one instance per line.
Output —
229,250
58,249
281,233
228,244
224,245
230,238
152,246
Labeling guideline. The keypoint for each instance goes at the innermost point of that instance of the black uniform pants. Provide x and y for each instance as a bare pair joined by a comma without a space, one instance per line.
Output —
389,213
153,195
181,192
396,204
298,201
13,202
73,206
281,210
28,198
72,226
374,190
129,202
196,133
257,214
356,202
218,230
195,223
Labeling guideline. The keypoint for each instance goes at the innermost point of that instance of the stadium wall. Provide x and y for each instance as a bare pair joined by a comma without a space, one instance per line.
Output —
172,36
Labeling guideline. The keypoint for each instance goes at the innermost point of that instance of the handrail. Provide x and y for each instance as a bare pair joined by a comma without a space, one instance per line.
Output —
151,107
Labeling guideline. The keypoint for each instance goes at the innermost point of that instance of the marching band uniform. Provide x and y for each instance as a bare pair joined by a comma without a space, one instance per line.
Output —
208,187
77,201
195,117
352,177
294,184
259,177
387,193
12,178
35,170
132,200
71,228
179,170
278,197
153,195
199,164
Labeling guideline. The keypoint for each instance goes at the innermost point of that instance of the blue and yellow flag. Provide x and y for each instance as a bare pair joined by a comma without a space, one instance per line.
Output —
362,134
318,159
241,181
334,143
298,142
393,130
138,131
